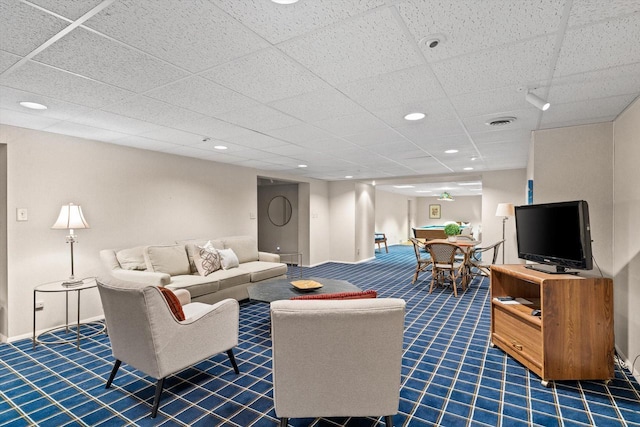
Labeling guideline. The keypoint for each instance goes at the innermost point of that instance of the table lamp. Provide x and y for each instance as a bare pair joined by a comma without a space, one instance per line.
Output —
505,210
71,218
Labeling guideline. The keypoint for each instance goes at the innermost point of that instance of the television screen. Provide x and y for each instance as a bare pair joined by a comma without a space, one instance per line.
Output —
556,234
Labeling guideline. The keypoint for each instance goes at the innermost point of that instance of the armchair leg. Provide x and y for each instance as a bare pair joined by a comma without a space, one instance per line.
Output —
116,366
284,422
388,420
232,359
156,398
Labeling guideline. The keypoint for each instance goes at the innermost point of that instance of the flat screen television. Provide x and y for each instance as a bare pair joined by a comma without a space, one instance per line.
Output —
556,235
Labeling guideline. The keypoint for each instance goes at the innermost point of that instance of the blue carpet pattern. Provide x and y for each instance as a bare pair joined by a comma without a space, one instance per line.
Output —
450,376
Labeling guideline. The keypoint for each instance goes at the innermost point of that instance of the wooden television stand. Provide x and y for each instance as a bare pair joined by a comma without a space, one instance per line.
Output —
572,339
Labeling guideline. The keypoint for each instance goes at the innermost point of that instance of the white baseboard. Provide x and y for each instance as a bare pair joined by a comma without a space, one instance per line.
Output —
636,369
29,335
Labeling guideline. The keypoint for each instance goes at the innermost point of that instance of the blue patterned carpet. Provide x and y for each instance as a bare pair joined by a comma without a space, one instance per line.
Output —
451,377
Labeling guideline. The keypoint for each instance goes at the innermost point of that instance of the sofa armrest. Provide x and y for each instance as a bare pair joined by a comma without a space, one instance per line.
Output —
184,296
145,277
268,256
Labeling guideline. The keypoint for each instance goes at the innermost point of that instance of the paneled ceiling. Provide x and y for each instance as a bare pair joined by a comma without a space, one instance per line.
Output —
321,83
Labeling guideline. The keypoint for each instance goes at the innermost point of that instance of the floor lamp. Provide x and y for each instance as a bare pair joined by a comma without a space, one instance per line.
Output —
505,210
71,218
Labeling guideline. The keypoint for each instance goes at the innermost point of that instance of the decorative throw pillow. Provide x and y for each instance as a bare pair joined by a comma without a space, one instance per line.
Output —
170,259
207,259
228,258
174,303
131,259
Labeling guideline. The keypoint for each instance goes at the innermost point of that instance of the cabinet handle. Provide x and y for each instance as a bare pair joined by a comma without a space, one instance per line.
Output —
516,345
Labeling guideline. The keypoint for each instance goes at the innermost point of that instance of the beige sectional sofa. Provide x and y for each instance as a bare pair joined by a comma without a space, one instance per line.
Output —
174,266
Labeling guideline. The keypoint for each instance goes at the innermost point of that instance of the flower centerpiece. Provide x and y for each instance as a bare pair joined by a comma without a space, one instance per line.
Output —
452,230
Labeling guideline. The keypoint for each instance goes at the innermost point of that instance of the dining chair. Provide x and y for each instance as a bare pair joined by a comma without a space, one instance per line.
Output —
381,238
423,259
444,263
483,265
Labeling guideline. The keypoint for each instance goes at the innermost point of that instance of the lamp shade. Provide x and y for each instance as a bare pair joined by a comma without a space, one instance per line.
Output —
70,218
505,209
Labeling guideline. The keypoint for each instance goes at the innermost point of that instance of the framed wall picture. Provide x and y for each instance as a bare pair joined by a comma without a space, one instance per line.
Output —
434,211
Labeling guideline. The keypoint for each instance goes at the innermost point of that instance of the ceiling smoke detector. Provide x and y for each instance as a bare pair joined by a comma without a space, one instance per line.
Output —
501,121
432,41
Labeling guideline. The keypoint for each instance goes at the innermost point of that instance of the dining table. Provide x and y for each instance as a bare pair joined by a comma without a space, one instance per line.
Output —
466,246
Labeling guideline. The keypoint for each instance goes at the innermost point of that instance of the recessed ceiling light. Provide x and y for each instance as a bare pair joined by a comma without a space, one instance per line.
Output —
469,183
433,40
302,166
403,186
473,159
451,151
423,191
33,105
414,116
220,147
468,168
285,1
348,176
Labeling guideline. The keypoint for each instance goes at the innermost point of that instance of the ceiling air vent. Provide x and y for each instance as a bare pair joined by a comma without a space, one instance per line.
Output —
501,121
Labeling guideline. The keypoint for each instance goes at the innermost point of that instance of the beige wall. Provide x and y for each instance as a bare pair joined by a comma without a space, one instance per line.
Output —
626,233
4,288
365,220
391,216
342,209
467,209
508,186
576,163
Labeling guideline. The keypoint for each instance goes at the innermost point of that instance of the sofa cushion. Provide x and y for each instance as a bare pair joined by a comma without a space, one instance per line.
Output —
131,259
207,259
173,302
171,259
228,259
196,285
245,247
262,270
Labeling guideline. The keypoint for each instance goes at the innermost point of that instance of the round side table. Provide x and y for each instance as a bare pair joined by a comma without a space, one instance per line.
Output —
63,286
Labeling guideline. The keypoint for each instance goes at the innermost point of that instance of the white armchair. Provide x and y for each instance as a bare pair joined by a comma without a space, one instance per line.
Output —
337,358
145,334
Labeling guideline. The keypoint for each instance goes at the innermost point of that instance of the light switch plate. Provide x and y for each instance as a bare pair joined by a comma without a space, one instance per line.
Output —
22,214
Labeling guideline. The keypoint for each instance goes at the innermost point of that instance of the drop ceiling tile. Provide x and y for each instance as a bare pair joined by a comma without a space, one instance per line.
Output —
260,118
23,28
277,23
409,88
366,46
172,136
144,143
266,76
69,9
398,150
578,122
187,151
586,89
91,55
600,46
598,110
470,25
10,99
289,150
143,108
47,81
86,132
255,140
375,137
428,129
219,156
25,120
318,105
437,112
495,101
508,65
201,95
7,60
213,128
500,136
352,124
303,134
115,122
193,35
590,11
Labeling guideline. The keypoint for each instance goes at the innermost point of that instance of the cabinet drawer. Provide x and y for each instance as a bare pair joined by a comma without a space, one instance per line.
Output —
521,337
